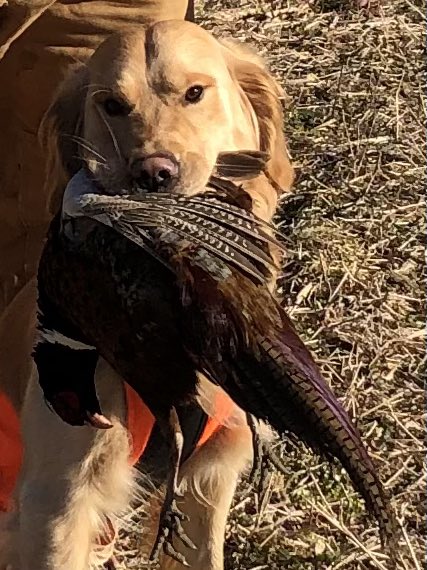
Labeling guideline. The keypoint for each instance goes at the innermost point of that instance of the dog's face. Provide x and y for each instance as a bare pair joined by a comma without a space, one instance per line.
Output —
160,106
154,108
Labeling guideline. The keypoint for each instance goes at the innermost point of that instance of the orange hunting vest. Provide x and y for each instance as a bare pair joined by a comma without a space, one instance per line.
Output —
140,422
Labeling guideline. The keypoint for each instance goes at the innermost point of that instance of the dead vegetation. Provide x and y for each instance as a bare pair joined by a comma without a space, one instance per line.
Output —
353,279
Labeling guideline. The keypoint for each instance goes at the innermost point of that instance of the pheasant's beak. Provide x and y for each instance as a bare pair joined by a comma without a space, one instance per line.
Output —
98,421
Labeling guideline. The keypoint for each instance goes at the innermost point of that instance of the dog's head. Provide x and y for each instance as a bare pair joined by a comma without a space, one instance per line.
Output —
153,109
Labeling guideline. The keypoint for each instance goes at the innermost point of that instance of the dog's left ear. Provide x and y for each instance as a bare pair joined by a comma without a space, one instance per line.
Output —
264,95
59,131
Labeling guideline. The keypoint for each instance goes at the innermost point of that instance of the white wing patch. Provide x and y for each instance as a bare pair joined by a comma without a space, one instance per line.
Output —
55,337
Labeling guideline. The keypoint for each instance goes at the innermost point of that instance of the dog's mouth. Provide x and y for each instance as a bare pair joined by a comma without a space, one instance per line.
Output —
102,182
160,173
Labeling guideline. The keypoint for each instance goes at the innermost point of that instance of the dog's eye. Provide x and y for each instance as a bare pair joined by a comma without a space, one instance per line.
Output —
194,94
115,107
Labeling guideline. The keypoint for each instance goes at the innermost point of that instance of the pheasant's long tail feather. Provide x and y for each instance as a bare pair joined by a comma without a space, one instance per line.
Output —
280,383
271,374
328,429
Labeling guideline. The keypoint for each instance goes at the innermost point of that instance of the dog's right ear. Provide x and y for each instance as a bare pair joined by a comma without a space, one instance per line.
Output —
59,131
264,95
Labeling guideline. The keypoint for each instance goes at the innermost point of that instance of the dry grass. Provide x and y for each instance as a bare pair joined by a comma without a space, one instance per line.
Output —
353,279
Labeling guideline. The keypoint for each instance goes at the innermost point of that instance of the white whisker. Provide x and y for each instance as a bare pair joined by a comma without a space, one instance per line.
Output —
87,146
99,91
110,130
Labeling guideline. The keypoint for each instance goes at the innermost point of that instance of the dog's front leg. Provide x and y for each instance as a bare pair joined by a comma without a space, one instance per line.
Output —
209,480
75,481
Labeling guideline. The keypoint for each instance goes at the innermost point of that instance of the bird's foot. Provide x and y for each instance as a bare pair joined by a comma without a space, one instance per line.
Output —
171,517
170,525
259,471
265,460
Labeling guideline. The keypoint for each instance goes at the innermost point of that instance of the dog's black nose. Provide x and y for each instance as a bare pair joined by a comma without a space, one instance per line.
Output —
155,172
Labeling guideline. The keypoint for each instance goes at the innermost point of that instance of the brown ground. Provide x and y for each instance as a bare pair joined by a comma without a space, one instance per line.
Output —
353,280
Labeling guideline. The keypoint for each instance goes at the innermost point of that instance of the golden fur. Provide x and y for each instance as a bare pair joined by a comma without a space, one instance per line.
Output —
76,479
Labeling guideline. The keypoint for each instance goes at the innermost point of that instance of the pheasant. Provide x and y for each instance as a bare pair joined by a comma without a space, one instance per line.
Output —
166,286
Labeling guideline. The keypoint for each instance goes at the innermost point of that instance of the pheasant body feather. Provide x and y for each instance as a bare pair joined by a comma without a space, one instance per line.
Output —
206,307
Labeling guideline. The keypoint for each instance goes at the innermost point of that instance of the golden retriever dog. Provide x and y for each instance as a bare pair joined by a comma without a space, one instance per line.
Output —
158,105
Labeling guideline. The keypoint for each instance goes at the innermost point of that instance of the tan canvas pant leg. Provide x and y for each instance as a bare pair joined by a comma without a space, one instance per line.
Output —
39,40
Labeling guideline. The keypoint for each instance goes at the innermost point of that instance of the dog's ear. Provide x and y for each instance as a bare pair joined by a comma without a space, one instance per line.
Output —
264,95
59,131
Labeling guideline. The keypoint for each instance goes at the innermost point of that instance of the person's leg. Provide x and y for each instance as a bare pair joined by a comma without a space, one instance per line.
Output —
57,35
